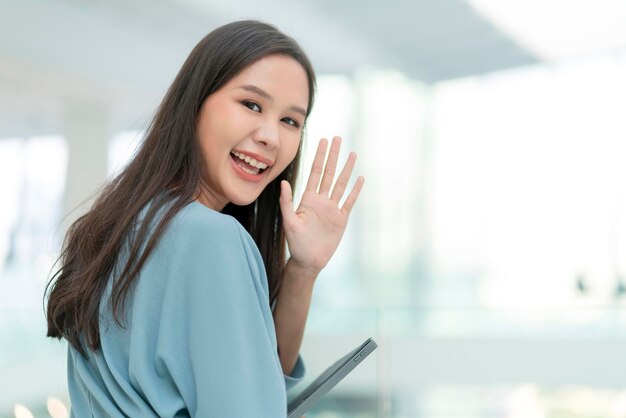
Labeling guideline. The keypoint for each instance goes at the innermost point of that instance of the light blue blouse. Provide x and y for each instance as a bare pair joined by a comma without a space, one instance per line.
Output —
200,339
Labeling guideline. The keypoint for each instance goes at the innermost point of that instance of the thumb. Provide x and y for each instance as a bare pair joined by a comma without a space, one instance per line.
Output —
286,202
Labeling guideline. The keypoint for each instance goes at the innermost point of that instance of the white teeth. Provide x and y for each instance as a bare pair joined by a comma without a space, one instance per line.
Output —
249,160
249,171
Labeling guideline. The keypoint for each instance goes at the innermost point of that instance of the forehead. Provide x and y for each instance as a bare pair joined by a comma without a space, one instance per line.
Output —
281,76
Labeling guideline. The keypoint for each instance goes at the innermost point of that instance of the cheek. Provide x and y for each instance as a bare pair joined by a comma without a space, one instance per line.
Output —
285,157
219,125
289,147
290,152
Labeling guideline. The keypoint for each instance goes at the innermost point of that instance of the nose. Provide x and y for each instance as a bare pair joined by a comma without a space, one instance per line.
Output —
267,135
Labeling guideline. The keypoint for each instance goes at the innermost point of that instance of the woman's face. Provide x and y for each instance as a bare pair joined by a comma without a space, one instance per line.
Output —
256,118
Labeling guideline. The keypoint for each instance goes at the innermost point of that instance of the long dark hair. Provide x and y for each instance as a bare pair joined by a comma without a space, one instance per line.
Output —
167,168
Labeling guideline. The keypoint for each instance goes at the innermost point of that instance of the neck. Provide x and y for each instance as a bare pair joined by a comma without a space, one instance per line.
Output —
209,200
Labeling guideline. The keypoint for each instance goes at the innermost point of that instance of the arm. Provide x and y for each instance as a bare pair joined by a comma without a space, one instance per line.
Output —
290,313
313,233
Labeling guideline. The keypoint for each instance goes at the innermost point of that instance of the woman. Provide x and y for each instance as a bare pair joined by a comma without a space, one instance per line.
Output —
166,286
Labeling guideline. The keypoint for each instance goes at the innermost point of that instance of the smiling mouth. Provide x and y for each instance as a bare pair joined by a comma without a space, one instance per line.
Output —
248,164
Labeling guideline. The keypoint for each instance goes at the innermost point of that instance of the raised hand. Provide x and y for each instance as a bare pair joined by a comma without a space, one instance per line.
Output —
316,227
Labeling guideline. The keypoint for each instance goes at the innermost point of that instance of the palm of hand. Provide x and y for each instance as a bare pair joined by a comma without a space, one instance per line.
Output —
314,230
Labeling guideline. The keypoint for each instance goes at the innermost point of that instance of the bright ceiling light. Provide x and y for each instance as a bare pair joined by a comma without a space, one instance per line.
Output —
555,29
21,411
56,408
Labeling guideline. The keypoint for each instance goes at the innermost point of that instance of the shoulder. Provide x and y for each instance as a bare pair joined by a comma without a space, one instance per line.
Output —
197,229
196,219
197,236
200,242
197,222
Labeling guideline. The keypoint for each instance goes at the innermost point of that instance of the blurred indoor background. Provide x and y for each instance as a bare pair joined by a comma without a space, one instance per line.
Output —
486,252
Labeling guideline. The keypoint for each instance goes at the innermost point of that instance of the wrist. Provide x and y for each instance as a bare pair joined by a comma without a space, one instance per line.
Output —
302,270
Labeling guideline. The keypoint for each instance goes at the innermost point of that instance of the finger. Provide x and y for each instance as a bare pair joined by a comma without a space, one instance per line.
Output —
318,164
342,181
353,196
331,166
286,202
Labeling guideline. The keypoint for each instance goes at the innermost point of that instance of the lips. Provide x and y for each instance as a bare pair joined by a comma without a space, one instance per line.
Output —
247,167
245,175
257,157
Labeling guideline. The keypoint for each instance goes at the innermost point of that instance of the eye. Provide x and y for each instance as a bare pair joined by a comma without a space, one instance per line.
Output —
292,122
250,105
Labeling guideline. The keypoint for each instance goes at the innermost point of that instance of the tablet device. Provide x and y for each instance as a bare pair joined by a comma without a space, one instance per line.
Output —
327,380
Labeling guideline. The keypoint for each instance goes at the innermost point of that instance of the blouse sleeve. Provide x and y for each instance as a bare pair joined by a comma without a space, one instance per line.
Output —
216,337
297,374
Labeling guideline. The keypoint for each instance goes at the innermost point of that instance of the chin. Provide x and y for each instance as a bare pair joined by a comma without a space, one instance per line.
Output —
244,200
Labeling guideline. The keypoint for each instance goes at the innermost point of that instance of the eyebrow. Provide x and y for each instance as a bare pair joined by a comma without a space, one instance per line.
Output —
265,95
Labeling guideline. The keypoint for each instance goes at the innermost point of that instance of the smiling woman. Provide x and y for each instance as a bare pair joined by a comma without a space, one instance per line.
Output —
254,119
165,287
